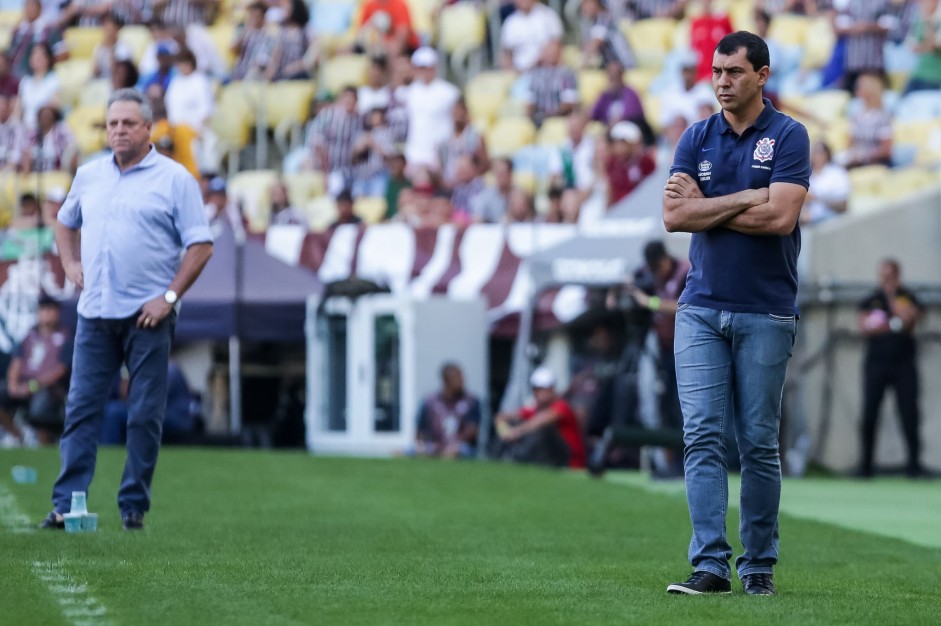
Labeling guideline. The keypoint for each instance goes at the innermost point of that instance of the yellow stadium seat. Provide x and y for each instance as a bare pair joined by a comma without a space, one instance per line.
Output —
650,39
343,70
571,57
904,181
288,100
652,110
221,33
818,44
828,105
680,40
509,134
422,14
639,79
742,15
486,94
463,27
553,132
11,17
88,125
789,29
73,75
45,182
591,83
137,38
251,188
81,41
304,186
837,135
233,117
370,210
868,180
321,212
95,92
924,136
6,34
526,181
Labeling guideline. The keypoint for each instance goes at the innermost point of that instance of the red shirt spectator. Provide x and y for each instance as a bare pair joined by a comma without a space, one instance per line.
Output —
627,165
705,32
400,20
568,428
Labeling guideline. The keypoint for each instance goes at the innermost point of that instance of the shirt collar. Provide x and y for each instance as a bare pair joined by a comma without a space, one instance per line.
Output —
760,124
148,161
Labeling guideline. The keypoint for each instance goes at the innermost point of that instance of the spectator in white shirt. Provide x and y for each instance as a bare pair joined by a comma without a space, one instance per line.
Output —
40,87
687,98
526,32
375,93
829,187
572,165
429,102
189,101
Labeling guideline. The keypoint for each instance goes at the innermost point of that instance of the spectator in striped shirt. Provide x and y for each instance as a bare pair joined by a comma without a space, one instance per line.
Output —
289,60
184,12
865,27
870,127
331,134
31,31
370,150
50,147
253,44
468,185
84,13
283,212
9,84
644,9
553,90
12,136
490,205
602,41
465,141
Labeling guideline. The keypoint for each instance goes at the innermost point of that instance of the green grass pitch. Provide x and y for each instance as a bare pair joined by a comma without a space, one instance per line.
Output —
279,538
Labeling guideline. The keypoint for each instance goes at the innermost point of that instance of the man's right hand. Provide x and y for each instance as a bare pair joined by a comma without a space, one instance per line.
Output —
76,274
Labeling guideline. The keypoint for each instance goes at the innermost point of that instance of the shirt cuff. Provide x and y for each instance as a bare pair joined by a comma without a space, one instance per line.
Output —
796,181
197,234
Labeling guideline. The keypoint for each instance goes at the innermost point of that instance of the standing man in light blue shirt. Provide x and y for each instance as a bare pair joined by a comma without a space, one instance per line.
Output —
133,235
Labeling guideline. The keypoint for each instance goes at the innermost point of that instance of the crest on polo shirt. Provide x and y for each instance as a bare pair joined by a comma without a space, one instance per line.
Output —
764,150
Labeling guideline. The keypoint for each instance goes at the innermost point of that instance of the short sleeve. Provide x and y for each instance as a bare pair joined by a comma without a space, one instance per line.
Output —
792,159
684,158
189,217
70,214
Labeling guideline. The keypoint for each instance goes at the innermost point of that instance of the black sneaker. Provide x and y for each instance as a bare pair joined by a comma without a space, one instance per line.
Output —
701,582
133,521
53,522
758,584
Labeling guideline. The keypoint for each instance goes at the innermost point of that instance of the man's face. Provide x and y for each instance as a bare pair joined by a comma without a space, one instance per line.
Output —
128,133
544,396
31,10
615,73
48,316
348,101
735,82
502,174
888,277
453,381
524,5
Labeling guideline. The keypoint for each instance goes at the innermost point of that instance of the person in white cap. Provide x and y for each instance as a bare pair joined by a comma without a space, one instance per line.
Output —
627,164
546,432
429,102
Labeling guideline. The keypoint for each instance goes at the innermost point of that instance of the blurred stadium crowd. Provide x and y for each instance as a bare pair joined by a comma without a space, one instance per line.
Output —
321,112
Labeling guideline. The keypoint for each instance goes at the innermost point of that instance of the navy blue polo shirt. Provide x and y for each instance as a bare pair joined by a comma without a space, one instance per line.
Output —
732,271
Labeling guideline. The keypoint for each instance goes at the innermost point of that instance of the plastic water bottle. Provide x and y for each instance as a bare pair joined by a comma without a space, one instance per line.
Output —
79,504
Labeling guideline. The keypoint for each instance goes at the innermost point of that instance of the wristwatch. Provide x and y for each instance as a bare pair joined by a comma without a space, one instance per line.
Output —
170,296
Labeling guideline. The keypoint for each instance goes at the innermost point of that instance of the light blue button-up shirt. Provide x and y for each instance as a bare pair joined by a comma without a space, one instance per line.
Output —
135,226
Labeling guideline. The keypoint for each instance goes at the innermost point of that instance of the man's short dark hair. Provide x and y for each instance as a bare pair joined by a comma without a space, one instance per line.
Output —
48,302
654,251
447,367
756,50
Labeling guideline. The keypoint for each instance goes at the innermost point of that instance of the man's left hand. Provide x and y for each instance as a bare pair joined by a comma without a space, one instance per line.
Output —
153,312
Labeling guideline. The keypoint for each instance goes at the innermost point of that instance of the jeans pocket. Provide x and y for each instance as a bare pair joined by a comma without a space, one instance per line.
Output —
682,306
787,319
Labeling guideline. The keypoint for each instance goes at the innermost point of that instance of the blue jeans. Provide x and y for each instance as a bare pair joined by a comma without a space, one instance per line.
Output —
730,371
101,347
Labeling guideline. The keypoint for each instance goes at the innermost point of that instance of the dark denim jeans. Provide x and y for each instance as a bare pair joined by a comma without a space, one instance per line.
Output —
730,369
101,347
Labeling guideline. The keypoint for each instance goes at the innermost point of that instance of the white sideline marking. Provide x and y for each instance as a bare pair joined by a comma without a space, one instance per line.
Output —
78,606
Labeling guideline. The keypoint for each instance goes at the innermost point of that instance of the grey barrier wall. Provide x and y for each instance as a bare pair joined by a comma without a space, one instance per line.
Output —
838,268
